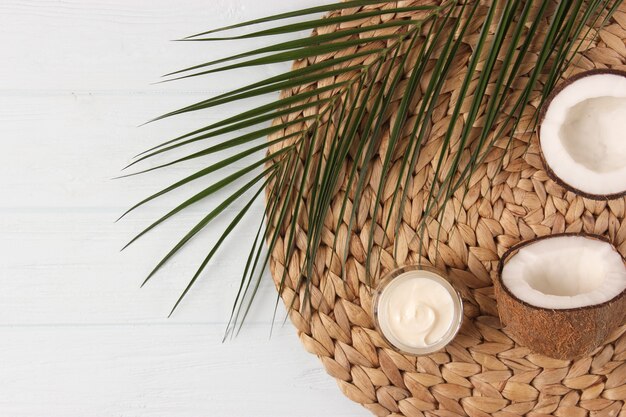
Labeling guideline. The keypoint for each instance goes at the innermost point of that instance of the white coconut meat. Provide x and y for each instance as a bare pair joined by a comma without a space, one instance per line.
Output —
565,272
583,134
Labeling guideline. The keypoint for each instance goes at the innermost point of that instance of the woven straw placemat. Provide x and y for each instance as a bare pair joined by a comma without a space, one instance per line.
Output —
482,372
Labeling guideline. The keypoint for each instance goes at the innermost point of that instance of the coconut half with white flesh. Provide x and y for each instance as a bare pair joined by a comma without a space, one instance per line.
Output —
562,295
582,134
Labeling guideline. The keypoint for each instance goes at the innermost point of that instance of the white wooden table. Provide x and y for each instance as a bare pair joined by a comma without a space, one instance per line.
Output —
77,335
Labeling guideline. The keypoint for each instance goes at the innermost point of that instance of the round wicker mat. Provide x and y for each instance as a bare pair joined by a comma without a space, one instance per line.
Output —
482,372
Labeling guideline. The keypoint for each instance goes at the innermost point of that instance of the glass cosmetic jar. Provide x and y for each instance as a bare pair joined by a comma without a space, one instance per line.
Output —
417,310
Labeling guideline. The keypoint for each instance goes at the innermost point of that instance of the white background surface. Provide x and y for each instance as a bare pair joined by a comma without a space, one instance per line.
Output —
77,335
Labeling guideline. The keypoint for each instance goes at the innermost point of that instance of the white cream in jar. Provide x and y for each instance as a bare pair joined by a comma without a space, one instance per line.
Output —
417,310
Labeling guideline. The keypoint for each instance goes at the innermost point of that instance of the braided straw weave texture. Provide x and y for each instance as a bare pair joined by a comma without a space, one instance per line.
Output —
483,371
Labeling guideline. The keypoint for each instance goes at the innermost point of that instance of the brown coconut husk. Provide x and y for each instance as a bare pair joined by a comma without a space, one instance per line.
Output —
564,333
542,115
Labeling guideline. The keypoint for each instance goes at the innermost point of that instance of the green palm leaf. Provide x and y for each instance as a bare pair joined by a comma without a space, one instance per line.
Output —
341,105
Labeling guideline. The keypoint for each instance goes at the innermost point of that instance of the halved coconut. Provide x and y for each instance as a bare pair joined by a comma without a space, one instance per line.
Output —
562,295
582,134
